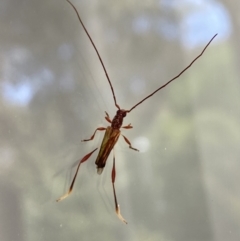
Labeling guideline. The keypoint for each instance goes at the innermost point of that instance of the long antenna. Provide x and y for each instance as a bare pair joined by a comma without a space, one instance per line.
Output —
109,81
175,76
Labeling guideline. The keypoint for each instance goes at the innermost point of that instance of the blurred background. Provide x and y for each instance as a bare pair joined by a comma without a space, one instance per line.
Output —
183,185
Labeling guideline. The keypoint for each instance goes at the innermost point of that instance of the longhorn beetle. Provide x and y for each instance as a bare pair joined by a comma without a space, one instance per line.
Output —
113,132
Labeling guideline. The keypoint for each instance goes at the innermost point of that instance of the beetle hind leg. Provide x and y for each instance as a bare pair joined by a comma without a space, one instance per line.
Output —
85,158
117,207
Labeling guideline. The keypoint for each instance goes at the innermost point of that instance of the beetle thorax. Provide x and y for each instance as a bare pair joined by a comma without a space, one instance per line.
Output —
118,119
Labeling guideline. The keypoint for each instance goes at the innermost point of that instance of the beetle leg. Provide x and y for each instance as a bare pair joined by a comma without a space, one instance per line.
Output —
98,129
85,158
117,207
107,117
129,143
129,126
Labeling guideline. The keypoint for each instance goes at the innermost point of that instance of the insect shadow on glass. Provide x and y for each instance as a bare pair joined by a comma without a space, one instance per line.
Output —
113,132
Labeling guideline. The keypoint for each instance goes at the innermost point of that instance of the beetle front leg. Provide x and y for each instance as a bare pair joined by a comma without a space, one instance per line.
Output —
129,126
117,207
107,118
98,129
129,143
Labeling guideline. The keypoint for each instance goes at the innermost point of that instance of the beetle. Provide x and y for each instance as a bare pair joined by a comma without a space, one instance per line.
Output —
112,133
